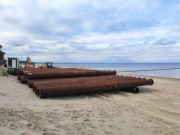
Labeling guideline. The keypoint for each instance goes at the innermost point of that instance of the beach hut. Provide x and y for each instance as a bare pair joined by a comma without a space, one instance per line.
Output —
12,62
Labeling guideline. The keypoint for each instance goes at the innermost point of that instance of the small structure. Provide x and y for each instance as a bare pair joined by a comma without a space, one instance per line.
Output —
12,62
49,64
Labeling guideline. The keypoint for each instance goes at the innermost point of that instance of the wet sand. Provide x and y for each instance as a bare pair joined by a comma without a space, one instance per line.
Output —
155,110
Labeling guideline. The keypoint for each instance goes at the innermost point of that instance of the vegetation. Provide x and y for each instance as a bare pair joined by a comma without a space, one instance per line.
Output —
3,73
2,60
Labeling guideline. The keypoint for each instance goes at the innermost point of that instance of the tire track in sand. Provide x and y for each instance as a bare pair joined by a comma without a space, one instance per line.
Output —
159,111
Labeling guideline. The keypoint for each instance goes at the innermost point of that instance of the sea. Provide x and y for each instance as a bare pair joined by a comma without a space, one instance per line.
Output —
167,70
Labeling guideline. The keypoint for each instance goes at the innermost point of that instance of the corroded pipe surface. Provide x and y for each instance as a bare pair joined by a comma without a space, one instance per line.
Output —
62,72
56,89
61,81
70,81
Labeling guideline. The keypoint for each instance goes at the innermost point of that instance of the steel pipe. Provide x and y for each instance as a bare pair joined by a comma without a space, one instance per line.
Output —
65,89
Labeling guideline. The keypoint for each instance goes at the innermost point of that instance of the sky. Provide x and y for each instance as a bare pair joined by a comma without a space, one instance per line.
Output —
91,31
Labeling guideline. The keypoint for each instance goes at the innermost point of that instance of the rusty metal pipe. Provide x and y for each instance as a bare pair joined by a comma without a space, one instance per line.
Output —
51,82
62,74
67,81
85,87
23,79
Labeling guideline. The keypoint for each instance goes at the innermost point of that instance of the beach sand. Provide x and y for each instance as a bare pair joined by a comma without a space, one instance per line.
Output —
155,110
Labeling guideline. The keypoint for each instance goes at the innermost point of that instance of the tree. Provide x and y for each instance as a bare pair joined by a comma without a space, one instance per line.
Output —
2,60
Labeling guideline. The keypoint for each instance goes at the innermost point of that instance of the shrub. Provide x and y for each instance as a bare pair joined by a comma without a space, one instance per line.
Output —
3,73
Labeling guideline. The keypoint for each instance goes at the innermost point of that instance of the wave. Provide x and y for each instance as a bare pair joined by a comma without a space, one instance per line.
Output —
150,70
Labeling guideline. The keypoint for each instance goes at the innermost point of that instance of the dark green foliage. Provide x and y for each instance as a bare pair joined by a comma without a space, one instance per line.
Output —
2,60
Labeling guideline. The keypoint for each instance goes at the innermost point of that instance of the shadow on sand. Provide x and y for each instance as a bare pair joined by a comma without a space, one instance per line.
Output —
147,90
122,92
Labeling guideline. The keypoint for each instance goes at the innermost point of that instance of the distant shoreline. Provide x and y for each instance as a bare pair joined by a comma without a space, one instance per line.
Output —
148,76
150,70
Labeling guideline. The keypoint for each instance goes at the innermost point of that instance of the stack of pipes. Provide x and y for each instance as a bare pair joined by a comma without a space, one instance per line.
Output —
28,74
82,85
55,82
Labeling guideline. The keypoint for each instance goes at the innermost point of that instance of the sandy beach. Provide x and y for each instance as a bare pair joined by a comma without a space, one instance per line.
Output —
155,110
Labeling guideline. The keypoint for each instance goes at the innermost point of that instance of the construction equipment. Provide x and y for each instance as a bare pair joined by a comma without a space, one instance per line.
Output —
29,64
42,66
48,65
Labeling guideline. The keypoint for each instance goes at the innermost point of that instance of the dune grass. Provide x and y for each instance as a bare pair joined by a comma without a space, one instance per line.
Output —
3,73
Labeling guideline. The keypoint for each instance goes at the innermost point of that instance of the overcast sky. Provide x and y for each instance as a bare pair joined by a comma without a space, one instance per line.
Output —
117,31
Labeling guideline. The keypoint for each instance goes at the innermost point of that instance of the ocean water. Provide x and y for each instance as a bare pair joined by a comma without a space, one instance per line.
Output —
170,70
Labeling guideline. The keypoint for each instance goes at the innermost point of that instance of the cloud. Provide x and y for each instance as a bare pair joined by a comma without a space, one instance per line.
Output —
91,31
165,42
